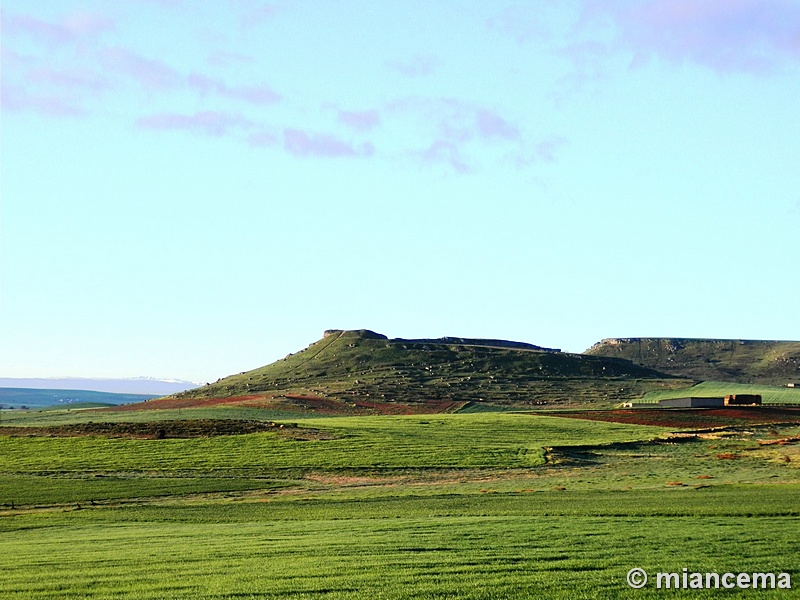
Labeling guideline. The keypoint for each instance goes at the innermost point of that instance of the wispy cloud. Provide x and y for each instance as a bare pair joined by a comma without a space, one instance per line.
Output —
492,125
446,118
523,23
303,143
166,3
463,136
294,141
263,139
150,73
72,79
443,151
13,59
545,150
459,121
589,67
417,66
212,123
26,25
455,134
457,131
68,30
256,13
108,68
82,24
753,36
362,120
255,94
39,82
222,58
13,98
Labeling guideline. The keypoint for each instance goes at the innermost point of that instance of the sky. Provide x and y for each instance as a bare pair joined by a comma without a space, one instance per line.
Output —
194,188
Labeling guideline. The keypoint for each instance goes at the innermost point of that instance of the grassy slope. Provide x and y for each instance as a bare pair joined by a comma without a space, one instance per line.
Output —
355,366
736,361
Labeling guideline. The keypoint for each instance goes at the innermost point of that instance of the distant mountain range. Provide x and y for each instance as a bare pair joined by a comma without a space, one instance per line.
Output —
22,398
138,385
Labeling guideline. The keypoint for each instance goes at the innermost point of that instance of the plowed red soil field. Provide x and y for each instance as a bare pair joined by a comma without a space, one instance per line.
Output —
299,403
166,403
689,418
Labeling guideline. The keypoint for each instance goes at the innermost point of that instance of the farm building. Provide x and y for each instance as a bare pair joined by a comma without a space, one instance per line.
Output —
742,400
690,402
700,402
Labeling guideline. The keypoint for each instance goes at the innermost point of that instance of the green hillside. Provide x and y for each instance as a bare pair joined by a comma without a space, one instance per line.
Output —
770,394
351,371
734,361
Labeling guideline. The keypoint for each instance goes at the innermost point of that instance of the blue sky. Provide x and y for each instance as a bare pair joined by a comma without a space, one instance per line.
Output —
191,189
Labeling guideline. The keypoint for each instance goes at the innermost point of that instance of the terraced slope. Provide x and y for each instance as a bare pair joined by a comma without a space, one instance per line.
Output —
736,361
363,371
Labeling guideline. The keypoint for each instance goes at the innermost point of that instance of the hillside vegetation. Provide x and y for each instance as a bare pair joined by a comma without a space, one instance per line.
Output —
358,372
734,361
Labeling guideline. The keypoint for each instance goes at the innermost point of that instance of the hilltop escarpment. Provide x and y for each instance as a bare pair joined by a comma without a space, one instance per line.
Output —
735,361
357,371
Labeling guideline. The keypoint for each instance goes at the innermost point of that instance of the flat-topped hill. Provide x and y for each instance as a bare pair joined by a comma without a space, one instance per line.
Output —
361,370
738,361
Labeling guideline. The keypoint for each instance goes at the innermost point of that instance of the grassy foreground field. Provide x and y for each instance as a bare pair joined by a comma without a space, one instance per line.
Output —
487,505
466,547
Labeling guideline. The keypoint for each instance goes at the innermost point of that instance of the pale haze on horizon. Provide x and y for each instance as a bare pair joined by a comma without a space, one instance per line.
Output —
192,189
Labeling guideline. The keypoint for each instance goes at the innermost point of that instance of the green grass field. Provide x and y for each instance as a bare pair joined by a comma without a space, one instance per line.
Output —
61,416
439,441
470,548
484,505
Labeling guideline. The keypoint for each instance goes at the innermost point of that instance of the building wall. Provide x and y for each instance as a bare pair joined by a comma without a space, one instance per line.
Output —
693,402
